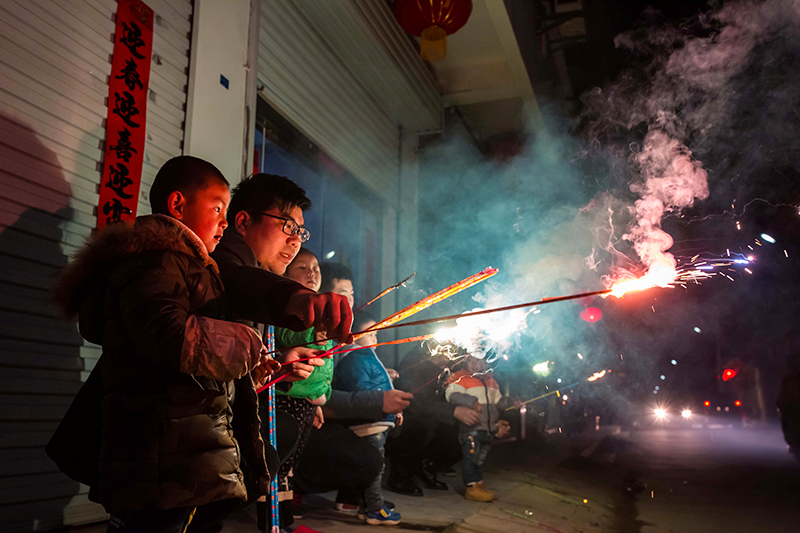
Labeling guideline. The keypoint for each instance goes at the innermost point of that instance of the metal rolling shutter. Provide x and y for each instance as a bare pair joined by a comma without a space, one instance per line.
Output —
54,68
346,75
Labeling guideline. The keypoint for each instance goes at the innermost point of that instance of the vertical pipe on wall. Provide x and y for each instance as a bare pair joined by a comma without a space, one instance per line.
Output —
251,95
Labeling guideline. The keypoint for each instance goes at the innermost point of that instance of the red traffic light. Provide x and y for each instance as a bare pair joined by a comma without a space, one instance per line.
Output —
737,403
707,403
728,373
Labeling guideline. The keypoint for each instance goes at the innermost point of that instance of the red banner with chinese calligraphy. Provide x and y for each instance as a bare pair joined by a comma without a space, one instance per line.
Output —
127,113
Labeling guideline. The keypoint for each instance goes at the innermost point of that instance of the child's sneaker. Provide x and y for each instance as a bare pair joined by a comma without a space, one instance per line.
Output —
384,517
362,511
478,492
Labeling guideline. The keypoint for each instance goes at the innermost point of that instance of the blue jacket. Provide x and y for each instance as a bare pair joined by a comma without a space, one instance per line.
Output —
361,370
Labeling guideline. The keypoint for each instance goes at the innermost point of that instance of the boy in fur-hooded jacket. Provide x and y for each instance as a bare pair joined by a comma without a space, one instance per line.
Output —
152,297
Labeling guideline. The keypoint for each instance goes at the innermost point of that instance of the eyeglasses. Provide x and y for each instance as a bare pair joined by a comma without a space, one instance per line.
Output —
291,228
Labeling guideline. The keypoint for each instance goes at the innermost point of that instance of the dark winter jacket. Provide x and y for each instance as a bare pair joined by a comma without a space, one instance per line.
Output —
464,389
361,370
253,295
425,380
152,297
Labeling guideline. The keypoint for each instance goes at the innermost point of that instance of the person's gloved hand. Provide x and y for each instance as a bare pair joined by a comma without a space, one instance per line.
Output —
395,401
324,312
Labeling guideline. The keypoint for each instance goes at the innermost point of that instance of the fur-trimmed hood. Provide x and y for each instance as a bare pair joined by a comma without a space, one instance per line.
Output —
80,288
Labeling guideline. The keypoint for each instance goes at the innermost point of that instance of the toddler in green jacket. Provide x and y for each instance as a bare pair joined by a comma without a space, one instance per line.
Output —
304,399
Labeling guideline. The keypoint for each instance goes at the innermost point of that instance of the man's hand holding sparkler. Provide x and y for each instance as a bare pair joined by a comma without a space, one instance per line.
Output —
324,312
394,401
299,363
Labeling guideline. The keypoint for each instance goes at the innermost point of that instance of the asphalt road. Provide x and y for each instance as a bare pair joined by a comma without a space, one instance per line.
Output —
713,480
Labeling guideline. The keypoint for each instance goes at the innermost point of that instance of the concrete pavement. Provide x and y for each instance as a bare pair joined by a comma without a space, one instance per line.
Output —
534,494
716,480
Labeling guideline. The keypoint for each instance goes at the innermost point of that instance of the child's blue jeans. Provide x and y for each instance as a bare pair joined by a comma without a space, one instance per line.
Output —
474,447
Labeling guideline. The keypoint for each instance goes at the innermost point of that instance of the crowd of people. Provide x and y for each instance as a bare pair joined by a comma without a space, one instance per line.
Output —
169,431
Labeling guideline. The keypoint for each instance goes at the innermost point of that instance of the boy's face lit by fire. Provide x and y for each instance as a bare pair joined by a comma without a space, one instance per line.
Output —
203,211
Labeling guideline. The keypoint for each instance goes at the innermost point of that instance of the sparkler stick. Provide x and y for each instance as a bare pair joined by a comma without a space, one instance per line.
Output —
335,351
387,291
425,303
542,396
593,377
420,338
412,309
487,311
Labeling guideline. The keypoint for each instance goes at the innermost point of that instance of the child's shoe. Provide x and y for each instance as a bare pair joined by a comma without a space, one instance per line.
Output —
362,511
478,492
384,517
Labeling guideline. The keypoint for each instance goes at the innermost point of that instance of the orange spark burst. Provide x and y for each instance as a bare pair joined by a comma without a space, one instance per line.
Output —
660,274
597,375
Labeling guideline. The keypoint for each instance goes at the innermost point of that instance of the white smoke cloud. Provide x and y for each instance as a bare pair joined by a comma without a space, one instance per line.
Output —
671,181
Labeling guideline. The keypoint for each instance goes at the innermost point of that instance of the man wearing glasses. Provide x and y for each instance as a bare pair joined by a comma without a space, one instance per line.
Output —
266,230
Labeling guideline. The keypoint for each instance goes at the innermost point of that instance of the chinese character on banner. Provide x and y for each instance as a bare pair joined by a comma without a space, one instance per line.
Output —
127,112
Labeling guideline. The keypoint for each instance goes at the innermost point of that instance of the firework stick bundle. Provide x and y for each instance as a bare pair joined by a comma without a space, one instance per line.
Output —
335,351
415,308
425,303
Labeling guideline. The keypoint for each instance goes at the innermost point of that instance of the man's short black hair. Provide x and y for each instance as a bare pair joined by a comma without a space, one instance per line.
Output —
184,173
362,317
332,271
261,192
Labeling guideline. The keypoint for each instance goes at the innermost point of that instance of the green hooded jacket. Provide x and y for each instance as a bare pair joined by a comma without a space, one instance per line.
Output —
319,382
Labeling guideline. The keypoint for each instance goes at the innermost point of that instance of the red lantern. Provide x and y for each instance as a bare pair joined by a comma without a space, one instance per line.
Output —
591,314
432,21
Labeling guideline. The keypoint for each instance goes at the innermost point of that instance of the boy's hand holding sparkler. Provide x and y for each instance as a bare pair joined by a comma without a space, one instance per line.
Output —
266,368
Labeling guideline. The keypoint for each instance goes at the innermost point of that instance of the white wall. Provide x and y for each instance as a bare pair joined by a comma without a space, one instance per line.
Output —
216,119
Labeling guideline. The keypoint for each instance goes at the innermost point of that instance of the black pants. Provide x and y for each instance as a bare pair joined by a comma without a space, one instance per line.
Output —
336,458
288,434
421,438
